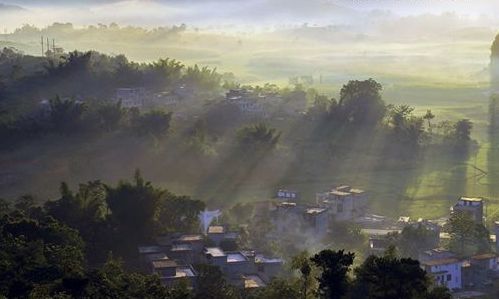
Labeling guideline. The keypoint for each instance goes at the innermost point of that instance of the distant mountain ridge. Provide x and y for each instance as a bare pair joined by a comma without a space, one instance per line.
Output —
9,7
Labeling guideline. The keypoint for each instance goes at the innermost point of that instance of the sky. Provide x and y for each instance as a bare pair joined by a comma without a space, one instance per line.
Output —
230,12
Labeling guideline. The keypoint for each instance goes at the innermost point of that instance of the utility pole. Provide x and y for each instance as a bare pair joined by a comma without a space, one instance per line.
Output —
53,47
43,52
48,46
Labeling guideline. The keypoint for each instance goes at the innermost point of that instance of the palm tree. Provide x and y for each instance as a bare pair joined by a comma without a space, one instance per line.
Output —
428,117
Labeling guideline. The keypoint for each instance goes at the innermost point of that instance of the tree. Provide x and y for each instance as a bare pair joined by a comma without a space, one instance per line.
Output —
462,130
439,293
415,239
179,213
112,281
334,266
361,103
429,116
66,115
110,115
257,138
387,277
36,253
85,211
301,262
407,128
278,289
467,237
212,285
25,203
155,123
135,208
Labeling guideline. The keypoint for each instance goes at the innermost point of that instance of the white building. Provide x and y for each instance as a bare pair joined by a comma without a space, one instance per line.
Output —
131,97
249,103
470,205
344,203
284,194
318,220
445,271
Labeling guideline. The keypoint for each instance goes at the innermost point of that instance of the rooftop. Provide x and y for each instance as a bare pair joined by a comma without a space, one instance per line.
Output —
214,251
236,257
150,249
474,199
315,211
356,191
161,264
190,238
181,247
156,256
485,256
344,188
287,204
185,271
253,281
339,193
260,258
216,229
445,261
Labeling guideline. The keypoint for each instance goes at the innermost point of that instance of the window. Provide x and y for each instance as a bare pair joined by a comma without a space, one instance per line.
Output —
449,277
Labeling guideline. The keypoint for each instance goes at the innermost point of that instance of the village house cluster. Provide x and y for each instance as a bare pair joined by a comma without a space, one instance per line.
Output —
466,276
263,105
173,256
342,203
139,97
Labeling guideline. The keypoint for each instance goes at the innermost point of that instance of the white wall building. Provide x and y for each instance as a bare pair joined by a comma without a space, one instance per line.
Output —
131,97
446,271
344,203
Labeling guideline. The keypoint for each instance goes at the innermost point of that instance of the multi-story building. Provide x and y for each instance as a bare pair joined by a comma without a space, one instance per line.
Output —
287,195
472,206
249,103
318,220
445,271
131,97
344,203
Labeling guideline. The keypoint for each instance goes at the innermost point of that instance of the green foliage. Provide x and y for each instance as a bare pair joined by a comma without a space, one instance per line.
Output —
179,213
257,138
135,207
109,116
467,237
66,115
155,123
165,72
414,240
346,235
112,281
387,277
203,77
302,263
439,293
36,252
463,130
212,285
278,289
361,103
334,266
